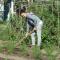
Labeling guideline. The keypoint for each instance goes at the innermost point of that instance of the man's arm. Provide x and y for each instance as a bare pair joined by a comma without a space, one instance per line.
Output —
27,27
30,32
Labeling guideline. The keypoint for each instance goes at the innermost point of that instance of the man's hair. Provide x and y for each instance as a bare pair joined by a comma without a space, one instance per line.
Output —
21,10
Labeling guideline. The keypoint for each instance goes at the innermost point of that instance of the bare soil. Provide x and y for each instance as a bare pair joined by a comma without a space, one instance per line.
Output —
17,56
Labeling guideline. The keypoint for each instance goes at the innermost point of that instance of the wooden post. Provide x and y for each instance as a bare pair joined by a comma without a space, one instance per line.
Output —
12,8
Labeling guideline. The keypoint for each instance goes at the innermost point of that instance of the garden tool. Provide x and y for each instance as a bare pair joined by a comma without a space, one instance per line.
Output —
19,42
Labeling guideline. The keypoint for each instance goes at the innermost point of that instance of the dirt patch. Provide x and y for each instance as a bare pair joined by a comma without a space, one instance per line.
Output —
29,56
13,57
58,57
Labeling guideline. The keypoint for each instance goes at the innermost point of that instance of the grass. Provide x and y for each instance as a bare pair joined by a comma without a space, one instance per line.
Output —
36,52
3,32
24,50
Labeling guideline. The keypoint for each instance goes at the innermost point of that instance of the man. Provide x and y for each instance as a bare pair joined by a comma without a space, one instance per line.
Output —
33,23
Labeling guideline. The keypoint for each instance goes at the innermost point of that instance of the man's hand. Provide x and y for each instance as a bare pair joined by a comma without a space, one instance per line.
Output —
27,34
34,28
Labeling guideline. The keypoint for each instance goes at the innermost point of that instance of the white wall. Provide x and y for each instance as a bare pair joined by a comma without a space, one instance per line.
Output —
1,7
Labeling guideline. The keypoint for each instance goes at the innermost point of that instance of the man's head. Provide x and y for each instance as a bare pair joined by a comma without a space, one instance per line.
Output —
21,11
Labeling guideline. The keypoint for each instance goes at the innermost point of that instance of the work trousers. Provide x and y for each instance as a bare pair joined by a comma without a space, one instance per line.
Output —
38,30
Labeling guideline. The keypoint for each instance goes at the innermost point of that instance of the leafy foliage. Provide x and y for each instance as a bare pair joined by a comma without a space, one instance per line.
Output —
16,29
46,14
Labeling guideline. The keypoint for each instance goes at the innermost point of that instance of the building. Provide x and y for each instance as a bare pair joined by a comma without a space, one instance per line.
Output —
5,9
8,8
1,10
